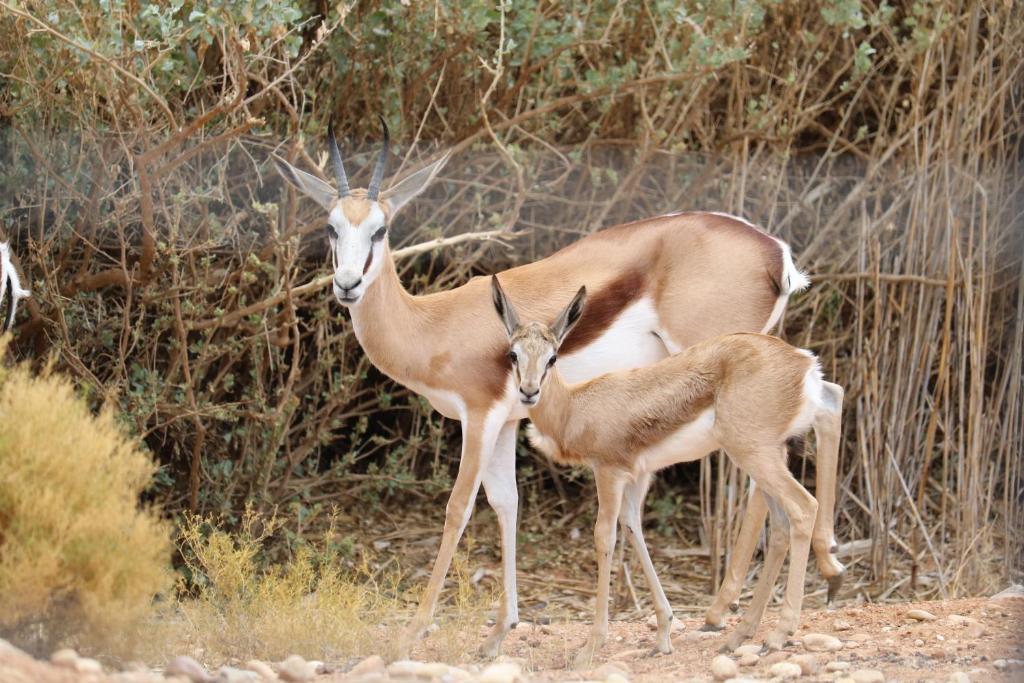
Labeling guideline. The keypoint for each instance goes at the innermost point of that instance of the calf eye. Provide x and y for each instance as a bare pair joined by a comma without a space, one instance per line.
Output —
379,235
551,361
331,232
512,357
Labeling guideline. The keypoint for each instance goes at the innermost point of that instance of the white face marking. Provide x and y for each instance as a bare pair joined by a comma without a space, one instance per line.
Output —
534,358
351,246
690,442
630,342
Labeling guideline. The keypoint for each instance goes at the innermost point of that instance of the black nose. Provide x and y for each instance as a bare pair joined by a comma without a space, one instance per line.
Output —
529,394
348,287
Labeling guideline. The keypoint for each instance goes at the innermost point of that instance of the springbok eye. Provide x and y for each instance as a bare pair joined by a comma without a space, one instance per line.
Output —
331,232
379,235
512,357
551,361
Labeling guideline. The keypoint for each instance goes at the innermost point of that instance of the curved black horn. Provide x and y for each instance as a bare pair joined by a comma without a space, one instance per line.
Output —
382,160
339,168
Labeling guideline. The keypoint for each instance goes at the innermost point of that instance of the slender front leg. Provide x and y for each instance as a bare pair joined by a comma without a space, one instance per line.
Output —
500,486
478,437
743,552
609,500
631,518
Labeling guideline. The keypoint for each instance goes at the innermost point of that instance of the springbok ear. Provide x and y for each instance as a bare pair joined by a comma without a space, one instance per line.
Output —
568,318
399,194
504,307
311,186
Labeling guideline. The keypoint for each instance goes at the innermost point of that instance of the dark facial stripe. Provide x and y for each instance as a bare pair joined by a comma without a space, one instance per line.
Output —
11,302
369,260
603,308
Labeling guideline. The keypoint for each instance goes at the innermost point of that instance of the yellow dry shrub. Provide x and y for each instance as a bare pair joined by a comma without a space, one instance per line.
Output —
79,557
316,603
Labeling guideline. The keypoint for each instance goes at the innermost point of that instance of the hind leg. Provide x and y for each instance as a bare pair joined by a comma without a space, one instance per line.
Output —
827,431
743,551
631,519
778,544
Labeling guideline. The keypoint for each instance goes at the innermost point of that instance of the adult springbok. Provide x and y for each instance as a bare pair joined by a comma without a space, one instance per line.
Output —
9,280
659,285
744,393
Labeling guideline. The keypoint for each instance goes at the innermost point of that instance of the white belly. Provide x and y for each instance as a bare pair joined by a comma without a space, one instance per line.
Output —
629,343
691,442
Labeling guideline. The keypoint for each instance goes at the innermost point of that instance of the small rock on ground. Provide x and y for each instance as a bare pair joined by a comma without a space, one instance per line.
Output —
502,672
372,664
959,677
295,669
749,659
867,676
786,670
183,665
837,666
748,649
820,642
841,625
262,669
723,668
921,615
1014,592
809,664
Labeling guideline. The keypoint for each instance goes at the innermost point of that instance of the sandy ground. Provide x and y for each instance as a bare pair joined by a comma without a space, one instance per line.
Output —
956,640
981,638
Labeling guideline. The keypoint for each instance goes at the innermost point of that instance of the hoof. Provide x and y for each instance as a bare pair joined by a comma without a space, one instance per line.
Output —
711,627
834,584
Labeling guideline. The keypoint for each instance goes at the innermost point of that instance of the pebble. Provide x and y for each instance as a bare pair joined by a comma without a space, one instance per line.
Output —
229,674
262,669
808,664
295,669
959,677
372,664
868,676
820,642
774,658
1001,664
502,672
837,666
786,670
65,657
183,665
918,642
841,625
748,649
616,678
921,615
1014,592
84,665
722,668
749,659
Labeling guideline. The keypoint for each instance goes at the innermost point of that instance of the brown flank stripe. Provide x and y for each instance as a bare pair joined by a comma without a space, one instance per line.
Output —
601,309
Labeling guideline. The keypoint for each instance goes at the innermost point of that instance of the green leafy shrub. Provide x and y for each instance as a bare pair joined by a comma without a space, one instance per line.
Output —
78,556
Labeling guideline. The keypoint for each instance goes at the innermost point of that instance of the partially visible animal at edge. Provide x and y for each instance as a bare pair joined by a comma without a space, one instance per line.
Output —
11,290
746,394
658,285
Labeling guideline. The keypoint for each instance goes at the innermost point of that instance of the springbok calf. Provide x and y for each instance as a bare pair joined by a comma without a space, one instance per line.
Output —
9,280
744,393
659,285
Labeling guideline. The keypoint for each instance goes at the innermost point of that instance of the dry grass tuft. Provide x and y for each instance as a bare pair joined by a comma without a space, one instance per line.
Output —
78,557
318,603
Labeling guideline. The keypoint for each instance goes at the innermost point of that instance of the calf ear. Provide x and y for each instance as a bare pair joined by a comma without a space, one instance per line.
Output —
503,306
399,194
311,186
568,318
